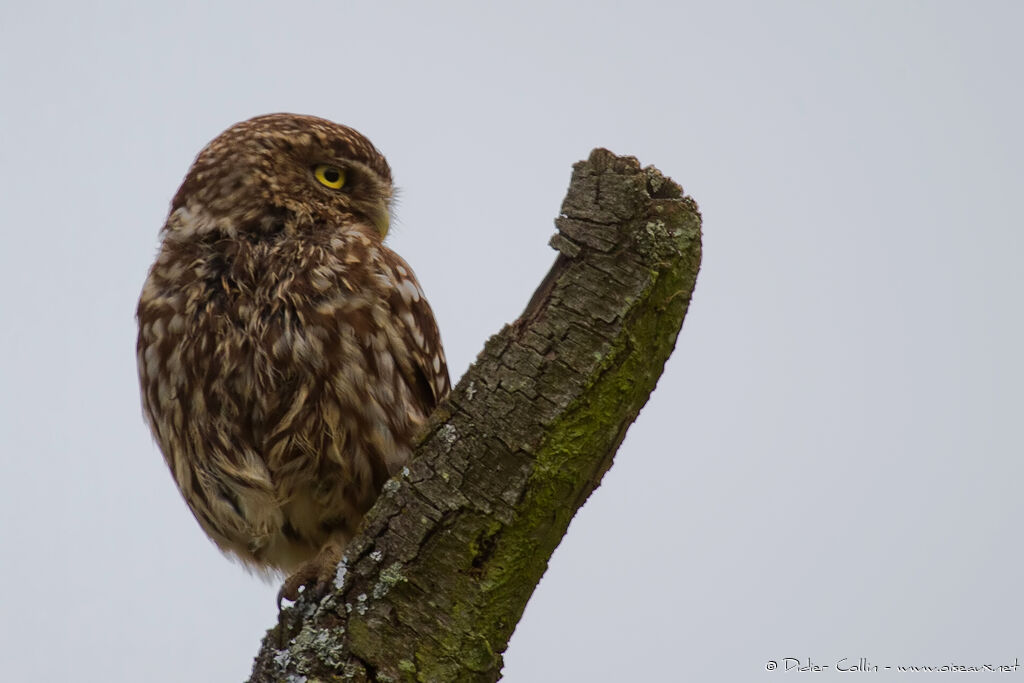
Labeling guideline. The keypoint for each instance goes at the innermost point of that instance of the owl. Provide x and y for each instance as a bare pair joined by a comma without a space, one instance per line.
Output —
286,356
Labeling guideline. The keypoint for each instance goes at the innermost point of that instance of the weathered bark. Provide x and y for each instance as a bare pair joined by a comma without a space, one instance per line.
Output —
435,583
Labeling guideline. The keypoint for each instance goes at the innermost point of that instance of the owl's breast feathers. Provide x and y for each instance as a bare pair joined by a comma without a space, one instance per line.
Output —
284,378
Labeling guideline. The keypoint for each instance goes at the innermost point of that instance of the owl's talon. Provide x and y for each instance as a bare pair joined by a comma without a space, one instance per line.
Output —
290,589
314,577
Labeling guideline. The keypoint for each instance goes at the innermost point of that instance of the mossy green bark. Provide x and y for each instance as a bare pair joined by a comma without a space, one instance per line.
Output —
435,583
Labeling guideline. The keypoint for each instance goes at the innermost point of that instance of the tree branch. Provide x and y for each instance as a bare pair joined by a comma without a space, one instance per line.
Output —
433,586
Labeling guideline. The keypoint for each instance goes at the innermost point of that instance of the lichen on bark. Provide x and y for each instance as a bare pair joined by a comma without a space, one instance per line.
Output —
435,582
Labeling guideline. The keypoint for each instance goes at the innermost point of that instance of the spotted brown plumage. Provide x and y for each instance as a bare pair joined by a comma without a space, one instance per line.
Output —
286,355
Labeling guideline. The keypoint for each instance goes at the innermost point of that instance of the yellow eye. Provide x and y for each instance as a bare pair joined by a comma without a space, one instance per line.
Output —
329,176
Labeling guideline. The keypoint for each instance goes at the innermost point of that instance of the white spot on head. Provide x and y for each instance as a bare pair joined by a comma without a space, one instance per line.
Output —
184,222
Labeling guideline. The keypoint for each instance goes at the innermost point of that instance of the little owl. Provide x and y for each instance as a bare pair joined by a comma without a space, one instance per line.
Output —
286,356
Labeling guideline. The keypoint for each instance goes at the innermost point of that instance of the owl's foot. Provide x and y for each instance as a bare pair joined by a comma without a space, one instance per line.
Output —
315,576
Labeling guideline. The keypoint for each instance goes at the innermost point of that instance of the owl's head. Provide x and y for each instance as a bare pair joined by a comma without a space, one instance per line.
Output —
283,172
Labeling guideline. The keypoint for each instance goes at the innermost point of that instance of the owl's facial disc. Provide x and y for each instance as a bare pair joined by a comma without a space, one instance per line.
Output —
361,188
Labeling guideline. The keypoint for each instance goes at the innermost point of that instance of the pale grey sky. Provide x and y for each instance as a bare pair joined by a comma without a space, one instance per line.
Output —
831,465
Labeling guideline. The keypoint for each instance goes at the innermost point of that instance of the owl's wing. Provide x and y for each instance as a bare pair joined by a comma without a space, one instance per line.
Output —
424,367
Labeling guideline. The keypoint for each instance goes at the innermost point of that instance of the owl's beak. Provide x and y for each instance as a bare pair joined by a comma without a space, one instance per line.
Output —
381,218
